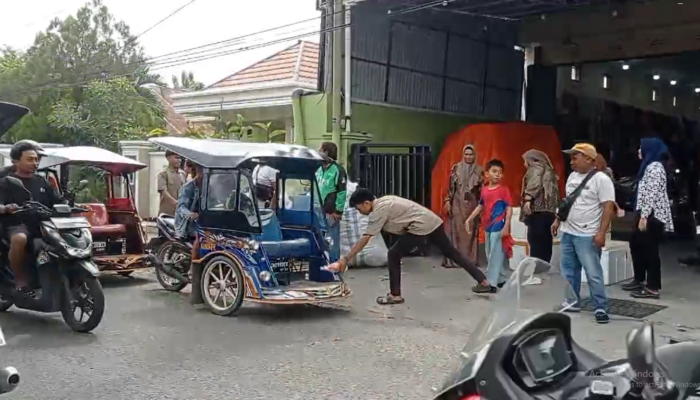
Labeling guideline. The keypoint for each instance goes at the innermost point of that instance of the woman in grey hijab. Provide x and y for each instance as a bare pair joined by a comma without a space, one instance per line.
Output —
539,202
466,179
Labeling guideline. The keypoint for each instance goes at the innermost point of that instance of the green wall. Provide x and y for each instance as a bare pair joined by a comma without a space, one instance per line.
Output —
386,124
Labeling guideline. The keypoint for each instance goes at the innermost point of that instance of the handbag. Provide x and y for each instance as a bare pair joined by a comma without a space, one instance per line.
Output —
568,202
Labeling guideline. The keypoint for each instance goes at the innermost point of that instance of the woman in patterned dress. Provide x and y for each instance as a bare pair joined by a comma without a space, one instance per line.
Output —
466,179
652,217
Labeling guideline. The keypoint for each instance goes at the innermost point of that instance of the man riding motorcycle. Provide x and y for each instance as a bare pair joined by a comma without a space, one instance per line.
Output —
5,171
20,231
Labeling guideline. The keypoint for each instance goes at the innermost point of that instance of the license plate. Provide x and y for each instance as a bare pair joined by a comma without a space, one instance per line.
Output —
99,245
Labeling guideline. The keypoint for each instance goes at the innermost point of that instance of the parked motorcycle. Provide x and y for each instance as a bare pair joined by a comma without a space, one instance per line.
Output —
516,353
9,376
170,255
64,276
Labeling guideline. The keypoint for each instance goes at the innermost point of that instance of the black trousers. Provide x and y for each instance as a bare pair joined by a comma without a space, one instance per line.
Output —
644,247
539,235
439,239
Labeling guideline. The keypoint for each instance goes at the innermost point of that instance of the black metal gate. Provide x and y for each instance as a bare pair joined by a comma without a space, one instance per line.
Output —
397,169
393,169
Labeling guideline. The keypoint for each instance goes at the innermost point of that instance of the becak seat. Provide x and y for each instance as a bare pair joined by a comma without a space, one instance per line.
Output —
99,219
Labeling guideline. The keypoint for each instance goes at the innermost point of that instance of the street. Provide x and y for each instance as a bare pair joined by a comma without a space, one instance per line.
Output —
153,345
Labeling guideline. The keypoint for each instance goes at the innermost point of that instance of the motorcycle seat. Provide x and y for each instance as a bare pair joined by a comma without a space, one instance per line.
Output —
291,248
167,221
109,230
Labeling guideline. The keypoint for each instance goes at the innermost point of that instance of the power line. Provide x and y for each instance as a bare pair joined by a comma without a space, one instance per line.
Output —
156,65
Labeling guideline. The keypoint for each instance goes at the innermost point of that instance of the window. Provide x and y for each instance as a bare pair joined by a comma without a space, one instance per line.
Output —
654,97
575,73
606,82
222,191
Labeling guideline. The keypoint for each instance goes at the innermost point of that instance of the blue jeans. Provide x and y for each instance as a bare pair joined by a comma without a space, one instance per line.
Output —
578,252
334,230
496,258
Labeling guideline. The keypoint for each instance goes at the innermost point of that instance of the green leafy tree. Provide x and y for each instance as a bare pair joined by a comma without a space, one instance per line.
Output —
83,81
271,135
187,82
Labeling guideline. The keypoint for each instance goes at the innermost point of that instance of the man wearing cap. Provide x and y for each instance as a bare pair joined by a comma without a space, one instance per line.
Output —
583,231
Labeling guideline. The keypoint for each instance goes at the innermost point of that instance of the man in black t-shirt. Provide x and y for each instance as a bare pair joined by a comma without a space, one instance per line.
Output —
21,230
5,171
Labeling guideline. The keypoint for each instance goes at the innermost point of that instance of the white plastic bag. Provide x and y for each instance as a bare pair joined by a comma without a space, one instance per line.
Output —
352,227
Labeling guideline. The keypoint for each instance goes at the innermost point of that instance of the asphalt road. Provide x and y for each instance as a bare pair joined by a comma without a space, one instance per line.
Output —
153,345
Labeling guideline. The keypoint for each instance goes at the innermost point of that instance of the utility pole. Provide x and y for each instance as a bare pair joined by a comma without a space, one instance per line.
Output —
337,71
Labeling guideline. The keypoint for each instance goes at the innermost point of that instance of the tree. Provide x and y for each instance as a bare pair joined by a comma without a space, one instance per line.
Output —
110,111
187,82
80,62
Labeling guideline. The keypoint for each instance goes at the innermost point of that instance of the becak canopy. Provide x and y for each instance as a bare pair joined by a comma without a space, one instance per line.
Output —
506,141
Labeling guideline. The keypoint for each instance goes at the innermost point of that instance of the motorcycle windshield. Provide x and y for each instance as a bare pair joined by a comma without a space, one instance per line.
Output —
526,294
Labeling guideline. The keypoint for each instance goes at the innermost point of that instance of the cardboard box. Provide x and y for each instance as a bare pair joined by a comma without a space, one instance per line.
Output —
616,261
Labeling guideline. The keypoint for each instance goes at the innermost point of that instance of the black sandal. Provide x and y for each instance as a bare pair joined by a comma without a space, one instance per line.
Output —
633,286
389,300
645,294
481,289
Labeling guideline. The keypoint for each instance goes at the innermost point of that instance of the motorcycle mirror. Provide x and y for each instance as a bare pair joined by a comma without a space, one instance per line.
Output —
83,184
18,183
530,267
62,208
641,353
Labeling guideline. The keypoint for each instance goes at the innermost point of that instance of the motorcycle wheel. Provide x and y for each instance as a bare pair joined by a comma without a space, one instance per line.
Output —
89,296
168,283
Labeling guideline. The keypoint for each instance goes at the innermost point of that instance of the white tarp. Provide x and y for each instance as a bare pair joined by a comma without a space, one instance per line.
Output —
352,227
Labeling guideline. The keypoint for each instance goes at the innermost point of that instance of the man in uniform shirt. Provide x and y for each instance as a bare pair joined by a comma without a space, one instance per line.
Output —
170,181
413,222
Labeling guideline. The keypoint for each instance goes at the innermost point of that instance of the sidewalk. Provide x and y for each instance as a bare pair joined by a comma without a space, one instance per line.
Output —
441,298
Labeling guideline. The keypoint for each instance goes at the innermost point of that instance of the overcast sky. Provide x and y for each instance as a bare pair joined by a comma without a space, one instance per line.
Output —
202,22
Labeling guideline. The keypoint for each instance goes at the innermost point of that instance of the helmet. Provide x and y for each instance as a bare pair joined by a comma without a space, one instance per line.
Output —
23,145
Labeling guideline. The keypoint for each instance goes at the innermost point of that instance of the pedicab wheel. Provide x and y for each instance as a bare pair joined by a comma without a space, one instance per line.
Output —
181,254
88,299
223,287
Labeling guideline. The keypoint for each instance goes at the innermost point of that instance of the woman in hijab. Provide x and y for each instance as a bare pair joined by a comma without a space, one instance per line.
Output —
466,179
539,202
652,217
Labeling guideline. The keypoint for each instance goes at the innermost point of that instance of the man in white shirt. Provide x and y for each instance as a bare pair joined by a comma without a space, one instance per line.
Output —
583,231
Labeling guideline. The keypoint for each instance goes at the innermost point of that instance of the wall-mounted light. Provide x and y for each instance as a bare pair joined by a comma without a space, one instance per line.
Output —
673,83
606,82
674,101
697,90
575,73
625,67
657,77
653,95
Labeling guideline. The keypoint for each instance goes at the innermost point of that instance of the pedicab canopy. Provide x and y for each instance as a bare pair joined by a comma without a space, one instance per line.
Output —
217,153
9,115
90,156
506,141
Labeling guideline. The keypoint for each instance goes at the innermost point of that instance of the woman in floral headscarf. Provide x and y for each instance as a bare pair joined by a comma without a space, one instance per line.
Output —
466,179
539,201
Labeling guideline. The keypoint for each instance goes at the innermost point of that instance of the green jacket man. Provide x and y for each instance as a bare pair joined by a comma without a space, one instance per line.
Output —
332,181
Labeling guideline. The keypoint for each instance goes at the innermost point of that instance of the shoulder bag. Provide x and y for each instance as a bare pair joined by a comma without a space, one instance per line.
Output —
568,202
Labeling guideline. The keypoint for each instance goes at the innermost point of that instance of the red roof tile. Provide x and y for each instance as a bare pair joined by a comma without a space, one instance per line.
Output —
295,63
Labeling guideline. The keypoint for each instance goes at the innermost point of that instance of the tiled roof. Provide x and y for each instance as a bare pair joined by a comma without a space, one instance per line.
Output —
295,63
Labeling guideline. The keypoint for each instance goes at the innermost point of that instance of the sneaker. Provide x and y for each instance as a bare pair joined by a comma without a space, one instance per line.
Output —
645,293
632,286
566,306
601,317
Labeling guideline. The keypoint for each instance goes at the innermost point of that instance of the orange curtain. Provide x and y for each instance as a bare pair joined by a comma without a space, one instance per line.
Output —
505,141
